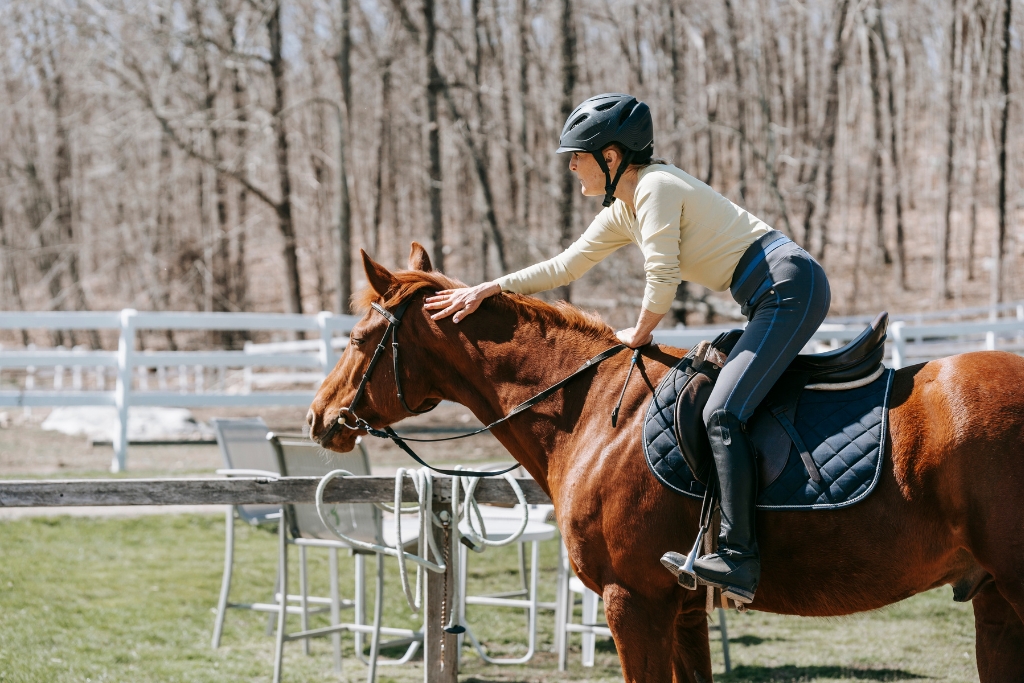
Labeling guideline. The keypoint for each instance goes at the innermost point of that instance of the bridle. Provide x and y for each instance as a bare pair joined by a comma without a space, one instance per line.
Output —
394,320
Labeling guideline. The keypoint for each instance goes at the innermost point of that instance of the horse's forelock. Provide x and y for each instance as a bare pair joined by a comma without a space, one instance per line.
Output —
408,282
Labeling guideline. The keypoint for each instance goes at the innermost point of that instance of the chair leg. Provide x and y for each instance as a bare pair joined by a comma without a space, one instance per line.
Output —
304,596
282,572
360,606
534,576
563,608
225,583
378,611
462,579
522,566
589,618
725,639
271,616
335,607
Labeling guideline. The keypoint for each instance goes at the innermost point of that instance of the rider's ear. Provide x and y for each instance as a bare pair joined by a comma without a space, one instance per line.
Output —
380,278
418,258
610,155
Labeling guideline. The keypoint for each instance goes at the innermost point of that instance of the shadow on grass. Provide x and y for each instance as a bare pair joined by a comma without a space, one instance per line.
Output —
753,640
790,673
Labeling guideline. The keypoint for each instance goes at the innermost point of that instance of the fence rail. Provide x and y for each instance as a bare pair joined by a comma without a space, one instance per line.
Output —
244,491
306,362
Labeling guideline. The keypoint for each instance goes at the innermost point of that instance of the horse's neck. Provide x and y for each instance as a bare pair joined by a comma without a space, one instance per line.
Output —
492,384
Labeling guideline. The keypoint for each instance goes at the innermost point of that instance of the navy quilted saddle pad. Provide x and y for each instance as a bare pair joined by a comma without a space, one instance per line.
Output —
844,431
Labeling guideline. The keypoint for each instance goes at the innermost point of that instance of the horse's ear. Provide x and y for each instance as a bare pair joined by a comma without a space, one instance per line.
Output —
418,258
380,278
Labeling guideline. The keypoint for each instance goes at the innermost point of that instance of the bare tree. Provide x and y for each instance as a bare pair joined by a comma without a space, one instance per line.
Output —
569,76
999,252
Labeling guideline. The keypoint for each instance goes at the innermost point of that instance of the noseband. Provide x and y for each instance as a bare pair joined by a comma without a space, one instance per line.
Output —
388,433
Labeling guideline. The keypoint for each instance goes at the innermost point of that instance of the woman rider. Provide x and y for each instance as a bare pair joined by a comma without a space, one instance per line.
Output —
686,231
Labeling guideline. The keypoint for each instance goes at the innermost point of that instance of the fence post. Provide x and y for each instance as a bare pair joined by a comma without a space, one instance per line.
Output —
899,348
122,391
440,649
327,359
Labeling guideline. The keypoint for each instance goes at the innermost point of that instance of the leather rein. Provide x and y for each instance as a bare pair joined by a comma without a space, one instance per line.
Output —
394,319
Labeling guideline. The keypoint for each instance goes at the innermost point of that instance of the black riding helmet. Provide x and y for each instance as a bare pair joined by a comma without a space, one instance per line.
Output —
602,120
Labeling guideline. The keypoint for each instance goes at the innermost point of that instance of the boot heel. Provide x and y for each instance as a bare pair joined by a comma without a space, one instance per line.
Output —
738,595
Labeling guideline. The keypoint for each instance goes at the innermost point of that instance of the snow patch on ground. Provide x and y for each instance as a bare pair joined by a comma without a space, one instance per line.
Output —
99,423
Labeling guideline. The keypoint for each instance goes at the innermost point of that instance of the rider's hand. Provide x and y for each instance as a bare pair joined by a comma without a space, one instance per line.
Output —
460,302
630,338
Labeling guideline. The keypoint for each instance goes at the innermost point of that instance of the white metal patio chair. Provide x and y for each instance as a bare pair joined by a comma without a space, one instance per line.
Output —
302,527
569,585
246,452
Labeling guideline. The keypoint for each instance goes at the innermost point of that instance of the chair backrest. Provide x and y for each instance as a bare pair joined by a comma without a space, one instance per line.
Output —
303,458
243,444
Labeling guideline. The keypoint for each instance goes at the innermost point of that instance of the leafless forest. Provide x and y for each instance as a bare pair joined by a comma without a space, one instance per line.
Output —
234,155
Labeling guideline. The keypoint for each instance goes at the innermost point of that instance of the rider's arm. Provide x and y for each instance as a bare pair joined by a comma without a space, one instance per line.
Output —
659,209
605,234
641,333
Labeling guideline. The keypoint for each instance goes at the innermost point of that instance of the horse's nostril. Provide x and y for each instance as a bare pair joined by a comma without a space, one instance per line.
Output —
310,417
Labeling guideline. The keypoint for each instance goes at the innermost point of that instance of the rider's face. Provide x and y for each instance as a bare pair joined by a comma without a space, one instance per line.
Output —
591,177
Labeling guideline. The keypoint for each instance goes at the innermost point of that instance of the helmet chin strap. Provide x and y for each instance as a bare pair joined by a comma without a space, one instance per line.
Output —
609,183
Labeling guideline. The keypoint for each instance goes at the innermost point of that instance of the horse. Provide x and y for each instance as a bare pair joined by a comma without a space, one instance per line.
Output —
947,508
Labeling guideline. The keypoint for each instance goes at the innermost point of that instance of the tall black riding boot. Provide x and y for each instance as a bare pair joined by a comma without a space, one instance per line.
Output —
736,566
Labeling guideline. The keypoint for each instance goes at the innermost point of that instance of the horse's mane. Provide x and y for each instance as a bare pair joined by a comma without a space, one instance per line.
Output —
560,313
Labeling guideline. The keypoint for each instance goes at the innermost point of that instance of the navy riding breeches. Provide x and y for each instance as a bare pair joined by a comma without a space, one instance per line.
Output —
785,295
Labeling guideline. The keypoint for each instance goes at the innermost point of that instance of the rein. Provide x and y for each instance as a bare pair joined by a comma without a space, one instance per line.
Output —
388,433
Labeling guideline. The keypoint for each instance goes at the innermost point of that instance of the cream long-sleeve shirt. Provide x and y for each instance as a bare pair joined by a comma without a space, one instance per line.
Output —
685,229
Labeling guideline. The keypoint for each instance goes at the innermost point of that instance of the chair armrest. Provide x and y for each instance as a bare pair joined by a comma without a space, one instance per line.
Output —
248,473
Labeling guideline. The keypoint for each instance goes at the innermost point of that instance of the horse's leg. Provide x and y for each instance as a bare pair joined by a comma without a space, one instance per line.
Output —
999,637
643,630
691,657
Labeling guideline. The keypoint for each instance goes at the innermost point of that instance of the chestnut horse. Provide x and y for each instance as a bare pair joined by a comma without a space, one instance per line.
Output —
947,509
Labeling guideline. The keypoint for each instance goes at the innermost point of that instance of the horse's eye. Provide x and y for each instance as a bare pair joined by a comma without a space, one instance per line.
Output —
358,341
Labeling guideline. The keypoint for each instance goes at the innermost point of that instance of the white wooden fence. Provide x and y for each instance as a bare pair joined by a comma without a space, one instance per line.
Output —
911,340
126,359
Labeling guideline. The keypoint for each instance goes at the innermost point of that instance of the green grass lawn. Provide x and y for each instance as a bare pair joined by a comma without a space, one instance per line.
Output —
132,600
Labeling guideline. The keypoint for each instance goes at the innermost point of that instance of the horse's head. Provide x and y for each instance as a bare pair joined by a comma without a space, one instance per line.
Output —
356,393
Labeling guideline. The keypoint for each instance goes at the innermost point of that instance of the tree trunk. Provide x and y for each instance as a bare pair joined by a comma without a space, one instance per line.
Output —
999,252
293,287
741,105
827,140
942,262
569,75
10,273
678,81
878,151
384,134
525,159
239,277
894,150
433,131
343,242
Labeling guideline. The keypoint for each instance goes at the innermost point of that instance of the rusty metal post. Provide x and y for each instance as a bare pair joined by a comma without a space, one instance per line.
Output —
440,649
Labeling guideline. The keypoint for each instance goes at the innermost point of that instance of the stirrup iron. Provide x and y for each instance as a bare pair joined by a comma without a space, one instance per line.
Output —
673,561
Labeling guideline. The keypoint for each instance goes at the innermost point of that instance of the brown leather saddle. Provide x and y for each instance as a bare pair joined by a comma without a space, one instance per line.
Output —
771,430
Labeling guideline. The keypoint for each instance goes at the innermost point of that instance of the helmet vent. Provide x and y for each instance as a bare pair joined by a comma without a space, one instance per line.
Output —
605,107
578,121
